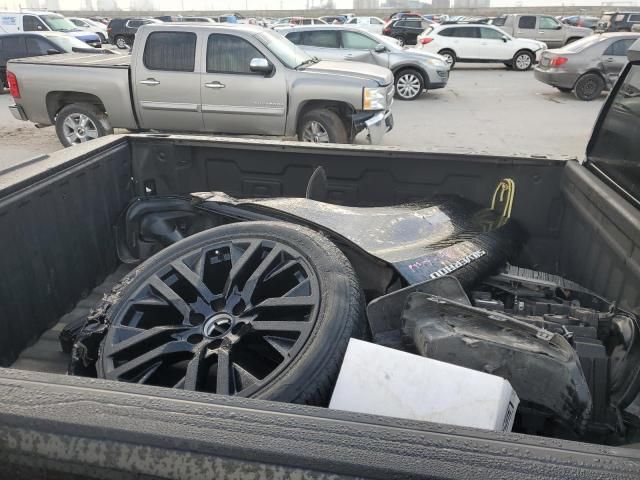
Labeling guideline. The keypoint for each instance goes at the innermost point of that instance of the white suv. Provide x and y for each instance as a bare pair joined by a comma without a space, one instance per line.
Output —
480,44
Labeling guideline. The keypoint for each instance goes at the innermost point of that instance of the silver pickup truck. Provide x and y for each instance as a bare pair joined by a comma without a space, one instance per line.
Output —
543,28
235,79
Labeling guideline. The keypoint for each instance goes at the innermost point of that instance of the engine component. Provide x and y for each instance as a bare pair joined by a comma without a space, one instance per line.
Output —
257,309
541,366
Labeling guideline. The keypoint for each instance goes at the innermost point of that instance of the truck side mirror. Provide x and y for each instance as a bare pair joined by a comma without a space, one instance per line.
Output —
260,65
380,48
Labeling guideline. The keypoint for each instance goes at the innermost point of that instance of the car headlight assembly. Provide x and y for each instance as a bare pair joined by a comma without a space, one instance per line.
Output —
374,99
434,62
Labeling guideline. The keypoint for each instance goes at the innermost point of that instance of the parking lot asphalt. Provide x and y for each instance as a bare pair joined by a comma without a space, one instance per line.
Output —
486,109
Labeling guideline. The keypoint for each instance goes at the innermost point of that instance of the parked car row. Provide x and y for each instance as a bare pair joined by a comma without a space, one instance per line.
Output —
37,21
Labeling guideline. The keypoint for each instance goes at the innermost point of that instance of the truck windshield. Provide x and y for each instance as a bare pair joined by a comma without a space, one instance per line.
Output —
616,148
282,48
58,23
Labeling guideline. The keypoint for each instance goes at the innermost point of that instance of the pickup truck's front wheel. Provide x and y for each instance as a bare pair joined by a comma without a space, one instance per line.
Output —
322,126
81,122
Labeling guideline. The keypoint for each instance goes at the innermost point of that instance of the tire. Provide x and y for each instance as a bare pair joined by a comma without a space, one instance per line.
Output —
3,81
80,123
565,90
306,374
401,40
523,61
322,126
120,42
449,56
409,84
589,87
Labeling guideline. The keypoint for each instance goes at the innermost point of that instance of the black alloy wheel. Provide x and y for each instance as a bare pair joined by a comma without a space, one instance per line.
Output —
234,311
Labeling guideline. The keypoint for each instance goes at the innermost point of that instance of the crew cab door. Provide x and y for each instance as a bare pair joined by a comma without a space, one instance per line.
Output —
525,27
167,82
550,31
236,99
614,58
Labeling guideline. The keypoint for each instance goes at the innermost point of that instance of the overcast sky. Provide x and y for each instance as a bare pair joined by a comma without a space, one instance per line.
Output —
247,4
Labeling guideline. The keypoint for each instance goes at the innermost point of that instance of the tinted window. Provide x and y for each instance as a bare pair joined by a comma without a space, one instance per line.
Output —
447,32
322,38
38,46
467,32
134,23
528,22
615,149
172,51
634,18
295,37
31,24
11,47
357,41
548,23
490,33
230,54
413,23
620,47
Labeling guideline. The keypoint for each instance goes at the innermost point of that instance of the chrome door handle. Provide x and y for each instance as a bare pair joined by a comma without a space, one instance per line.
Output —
610,60
215,85
151,82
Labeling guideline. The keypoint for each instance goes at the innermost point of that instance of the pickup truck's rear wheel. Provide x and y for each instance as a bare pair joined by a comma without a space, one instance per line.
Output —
322,126
254,309
81,122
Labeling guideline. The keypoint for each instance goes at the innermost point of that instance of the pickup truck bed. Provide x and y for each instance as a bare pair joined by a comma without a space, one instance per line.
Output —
59,256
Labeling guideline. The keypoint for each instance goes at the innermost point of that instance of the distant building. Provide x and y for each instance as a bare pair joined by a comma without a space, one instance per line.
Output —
472,3
366,4
441,3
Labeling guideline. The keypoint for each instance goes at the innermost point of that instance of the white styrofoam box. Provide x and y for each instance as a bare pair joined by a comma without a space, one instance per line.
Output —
383,381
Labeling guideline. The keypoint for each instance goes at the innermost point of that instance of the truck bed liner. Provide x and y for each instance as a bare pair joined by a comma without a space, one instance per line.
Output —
45,355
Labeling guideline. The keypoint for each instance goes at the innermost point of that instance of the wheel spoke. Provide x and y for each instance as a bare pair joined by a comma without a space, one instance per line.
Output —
91,133
157,353
192,377
258,274
143,336
172,297
280,326
239,262
282,345
223,373
281,302
195,280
